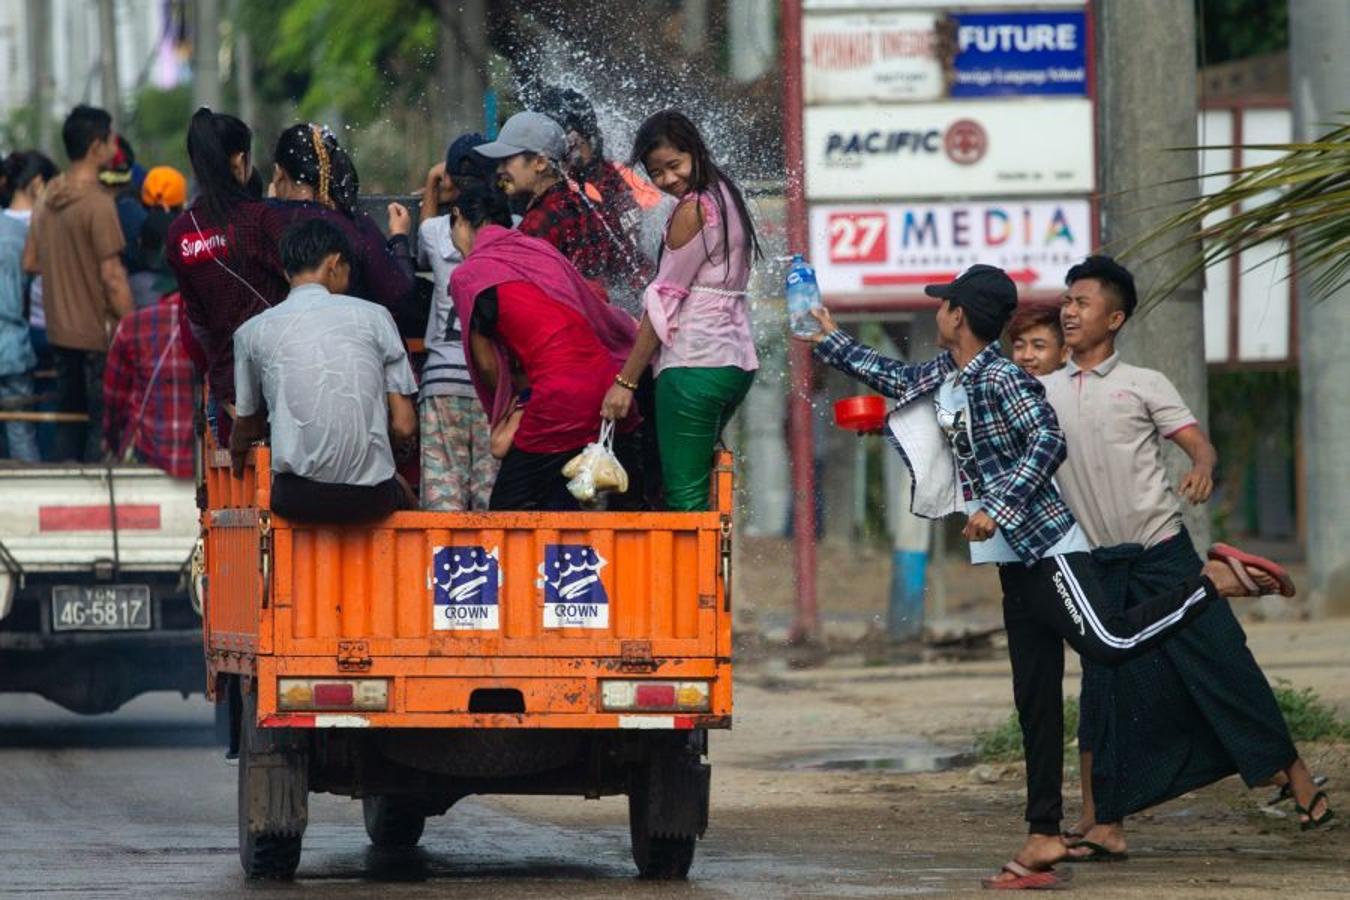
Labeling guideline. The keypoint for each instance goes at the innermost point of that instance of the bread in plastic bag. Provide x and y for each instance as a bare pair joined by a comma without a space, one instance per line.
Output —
596,469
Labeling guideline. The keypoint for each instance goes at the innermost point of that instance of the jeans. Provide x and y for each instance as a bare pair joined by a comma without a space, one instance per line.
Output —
15,390
79,389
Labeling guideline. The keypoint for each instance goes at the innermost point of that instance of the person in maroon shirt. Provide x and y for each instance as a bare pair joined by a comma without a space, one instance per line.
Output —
228,269
314,178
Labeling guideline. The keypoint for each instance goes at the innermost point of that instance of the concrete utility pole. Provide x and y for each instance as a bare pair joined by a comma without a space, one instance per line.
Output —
39,72
206,55
110,90
1320,89
1147,106
243,68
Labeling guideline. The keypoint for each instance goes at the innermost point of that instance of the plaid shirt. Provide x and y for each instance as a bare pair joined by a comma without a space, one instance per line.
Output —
147,409
1018,441
571,222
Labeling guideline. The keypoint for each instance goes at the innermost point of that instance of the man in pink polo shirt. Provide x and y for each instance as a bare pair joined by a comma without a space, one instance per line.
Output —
1198,708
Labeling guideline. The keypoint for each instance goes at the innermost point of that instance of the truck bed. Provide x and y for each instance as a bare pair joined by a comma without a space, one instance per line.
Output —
450,607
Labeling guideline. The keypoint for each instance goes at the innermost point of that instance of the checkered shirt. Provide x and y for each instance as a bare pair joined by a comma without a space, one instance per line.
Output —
148,409
1018,441
573,224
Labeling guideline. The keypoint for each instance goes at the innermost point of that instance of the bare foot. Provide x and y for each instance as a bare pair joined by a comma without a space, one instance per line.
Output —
1040,852
1110,835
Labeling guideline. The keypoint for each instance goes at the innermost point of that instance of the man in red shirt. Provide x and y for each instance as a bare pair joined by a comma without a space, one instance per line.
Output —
147,389
529,150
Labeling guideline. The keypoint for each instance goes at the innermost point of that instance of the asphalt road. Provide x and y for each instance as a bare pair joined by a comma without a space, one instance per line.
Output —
141,803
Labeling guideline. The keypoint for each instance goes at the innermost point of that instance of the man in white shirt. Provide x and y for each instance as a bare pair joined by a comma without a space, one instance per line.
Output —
336,382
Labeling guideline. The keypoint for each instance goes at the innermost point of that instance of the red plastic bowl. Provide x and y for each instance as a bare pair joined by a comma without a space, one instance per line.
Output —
864,413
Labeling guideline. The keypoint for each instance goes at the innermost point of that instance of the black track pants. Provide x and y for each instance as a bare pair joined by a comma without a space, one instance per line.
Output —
1055,601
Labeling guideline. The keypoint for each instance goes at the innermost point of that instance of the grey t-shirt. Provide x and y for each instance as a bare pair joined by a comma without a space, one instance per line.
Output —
324,363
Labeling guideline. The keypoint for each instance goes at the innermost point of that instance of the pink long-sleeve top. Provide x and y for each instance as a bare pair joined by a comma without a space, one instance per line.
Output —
697,304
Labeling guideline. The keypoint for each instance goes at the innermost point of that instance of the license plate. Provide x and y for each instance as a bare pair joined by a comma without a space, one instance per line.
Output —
120,607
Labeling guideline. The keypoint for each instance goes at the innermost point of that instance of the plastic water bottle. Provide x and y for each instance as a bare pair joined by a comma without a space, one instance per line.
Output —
803,295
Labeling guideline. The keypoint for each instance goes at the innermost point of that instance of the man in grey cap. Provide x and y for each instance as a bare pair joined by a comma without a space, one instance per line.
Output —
529,150
980,439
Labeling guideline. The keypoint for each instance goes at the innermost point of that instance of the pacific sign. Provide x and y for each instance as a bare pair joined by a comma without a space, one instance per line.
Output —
898,248
943,149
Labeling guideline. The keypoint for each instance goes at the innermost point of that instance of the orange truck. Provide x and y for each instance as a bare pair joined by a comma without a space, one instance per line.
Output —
436,655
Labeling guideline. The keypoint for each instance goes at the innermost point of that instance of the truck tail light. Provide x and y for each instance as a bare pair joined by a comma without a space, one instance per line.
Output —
295,694
655,696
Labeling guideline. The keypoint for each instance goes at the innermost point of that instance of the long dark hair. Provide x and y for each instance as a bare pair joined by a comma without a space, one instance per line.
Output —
479,204
673,129
310,154
211,140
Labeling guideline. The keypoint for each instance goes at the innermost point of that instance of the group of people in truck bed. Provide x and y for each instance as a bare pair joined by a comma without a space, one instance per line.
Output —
545,315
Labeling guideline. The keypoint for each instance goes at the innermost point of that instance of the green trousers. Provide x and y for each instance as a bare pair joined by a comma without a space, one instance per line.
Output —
693,405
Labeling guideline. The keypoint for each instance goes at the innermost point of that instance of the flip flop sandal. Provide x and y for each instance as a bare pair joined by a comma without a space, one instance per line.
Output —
1239,560
1315,821
1028,879
1072,835
1286,792
1096,853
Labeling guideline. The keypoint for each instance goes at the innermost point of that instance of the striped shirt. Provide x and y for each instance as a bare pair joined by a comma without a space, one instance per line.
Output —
445,374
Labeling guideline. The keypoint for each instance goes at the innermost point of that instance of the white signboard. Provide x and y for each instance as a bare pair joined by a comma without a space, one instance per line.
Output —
971,148
871,56
897,248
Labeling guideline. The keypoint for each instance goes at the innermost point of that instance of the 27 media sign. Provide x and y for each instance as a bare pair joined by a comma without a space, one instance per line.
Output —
897,248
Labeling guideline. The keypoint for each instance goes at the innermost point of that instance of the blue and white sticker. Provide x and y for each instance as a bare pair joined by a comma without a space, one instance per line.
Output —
574,595
465,591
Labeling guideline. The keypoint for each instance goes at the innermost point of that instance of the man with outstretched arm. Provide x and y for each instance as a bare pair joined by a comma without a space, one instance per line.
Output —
980,438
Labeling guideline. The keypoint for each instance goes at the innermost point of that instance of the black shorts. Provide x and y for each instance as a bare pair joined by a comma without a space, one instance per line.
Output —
534,481
311,502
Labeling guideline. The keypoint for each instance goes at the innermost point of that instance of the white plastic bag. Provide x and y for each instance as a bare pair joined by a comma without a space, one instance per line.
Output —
596,469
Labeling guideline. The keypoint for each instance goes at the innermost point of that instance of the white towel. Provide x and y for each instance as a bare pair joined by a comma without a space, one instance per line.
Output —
937,492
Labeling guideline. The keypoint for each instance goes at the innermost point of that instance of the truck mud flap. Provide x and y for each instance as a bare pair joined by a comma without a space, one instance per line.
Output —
677,789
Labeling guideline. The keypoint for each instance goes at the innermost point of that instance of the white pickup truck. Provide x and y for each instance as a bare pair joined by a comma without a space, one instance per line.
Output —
95,571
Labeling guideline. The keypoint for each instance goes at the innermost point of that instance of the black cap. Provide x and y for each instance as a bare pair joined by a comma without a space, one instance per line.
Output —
461,159
986,293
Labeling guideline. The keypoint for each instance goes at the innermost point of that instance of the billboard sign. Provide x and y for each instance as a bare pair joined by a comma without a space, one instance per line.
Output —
949,149
871,56
897,248
836,5
1020,53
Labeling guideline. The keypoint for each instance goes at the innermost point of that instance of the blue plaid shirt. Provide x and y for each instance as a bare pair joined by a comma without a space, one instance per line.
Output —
1018,441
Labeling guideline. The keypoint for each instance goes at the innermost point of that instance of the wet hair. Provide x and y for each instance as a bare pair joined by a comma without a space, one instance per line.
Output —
22,168
83,126
573,112
1036,315
306,245
672,128
1115,280
211,140
481,204
310,154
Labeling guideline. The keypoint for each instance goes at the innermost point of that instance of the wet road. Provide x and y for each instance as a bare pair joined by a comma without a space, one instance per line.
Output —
141,803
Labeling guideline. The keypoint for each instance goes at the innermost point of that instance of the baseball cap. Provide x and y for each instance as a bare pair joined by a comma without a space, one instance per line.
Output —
986,293
527,132
164,187
462,158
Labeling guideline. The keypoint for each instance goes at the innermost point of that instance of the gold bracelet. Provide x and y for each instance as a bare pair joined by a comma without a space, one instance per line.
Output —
618,379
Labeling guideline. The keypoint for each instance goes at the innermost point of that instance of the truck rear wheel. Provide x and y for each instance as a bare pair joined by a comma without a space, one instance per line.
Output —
668,810
393,821
273,796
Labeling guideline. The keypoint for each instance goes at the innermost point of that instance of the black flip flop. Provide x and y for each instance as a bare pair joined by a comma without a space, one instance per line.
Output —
1097,853
1318,821
1286,791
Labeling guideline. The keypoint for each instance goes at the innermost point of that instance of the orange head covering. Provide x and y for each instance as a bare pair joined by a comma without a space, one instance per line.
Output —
164,187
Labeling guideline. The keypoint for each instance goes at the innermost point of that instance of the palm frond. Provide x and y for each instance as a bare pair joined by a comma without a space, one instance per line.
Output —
1304,194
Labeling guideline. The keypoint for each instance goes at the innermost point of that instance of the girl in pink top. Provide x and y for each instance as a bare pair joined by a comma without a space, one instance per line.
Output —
695,330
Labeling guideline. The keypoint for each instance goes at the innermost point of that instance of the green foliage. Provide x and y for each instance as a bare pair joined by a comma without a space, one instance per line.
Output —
359,57
1004,743
1236,29
157,127
1308,716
